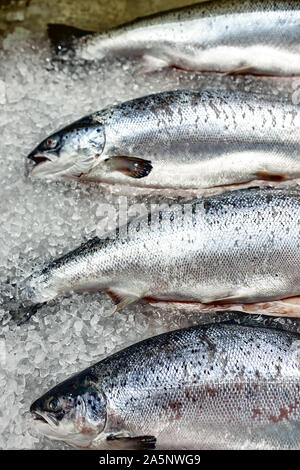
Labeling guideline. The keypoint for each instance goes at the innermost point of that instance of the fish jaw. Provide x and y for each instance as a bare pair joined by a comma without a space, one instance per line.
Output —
38,165
34,159
46,426
68,165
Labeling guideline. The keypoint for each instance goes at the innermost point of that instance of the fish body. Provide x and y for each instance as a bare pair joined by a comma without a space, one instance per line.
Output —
220,386
179,139
259,37
238,248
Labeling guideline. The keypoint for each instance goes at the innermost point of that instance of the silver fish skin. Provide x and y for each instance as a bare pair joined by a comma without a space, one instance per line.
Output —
237,249
179,139
259,37
220,386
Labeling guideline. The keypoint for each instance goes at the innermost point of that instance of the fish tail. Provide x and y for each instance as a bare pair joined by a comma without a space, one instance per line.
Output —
15,308
12,314
22,314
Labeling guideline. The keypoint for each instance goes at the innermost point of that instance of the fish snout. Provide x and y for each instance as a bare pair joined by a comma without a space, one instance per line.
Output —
30,163
36,413
35,159
32,155
37,156
34,407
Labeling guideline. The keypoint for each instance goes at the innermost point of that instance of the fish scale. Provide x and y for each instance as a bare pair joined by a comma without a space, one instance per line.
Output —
221,386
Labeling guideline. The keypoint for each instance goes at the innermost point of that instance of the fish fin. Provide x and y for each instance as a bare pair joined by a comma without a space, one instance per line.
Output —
258,320
289,307
241,70
62,37
131,166
120,300
267,176
151,64
131,443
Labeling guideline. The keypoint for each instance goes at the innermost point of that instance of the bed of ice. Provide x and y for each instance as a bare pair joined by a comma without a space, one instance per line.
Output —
40,221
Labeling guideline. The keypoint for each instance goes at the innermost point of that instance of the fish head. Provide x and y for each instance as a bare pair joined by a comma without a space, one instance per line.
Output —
70,152
73,412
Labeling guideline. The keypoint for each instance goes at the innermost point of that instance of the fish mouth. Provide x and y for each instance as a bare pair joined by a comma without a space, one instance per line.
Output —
48,426
37,157
44,418
51,165
40,164
38,417
36,160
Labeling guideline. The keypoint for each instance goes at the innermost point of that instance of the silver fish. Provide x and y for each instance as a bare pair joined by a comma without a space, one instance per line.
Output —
259,37
220,386
178,139
240,249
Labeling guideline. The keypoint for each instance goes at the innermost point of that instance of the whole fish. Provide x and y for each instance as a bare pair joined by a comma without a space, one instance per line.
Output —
239,249
178,139
258,37
219,386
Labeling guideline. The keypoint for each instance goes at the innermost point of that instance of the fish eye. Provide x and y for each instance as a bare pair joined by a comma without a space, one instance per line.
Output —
51,142
54,404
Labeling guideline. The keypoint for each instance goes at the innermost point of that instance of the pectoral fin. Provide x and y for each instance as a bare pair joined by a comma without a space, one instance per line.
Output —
280,308
130,166
121,300
267,176
151,64
243,70
131,443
